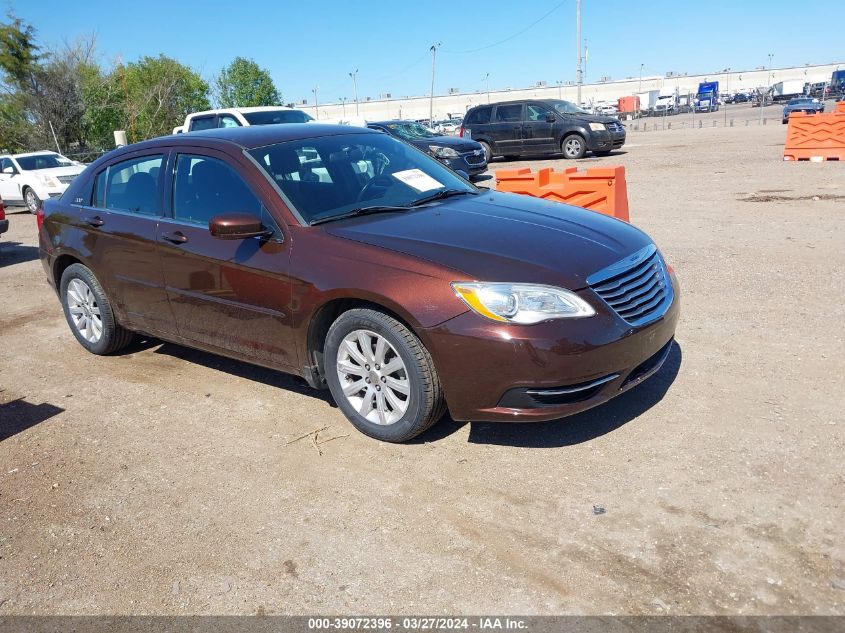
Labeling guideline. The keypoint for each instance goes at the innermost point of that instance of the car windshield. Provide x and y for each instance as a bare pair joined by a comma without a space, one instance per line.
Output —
42,161
331,176
567,107
269,117
409,131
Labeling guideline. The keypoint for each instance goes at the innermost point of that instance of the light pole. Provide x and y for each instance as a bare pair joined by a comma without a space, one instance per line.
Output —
559,84
354,76
578,76
487,81
315,89
641,78
433,50
343,102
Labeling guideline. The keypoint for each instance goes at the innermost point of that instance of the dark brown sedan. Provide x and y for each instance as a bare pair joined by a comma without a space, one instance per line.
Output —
363,265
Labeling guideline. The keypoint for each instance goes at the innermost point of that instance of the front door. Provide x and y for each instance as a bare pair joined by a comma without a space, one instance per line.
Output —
506,129
537,131
228,294
10,179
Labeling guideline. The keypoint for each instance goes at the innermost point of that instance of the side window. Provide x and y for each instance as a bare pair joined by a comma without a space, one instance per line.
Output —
131,185
479,116
205,187
536,112
509,113
227,120
203,123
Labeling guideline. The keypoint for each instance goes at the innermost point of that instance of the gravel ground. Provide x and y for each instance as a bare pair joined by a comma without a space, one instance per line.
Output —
169,481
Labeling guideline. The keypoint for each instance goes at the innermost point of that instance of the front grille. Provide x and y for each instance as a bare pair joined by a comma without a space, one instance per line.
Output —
615,126
65,180
472,159
637,288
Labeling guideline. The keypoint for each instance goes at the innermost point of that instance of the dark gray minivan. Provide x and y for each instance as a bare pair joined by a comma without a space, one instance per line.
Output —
541,126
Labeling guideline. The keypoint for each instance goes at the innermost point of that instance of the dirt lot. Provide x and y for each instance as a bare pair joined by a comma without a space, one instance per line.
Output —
164,480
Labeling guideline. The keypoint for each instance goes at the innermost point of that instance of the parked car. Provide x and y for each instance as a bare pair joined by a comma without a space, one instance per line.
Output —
741,97
450,127
459,154
241,117
397,285
802,104
608,109
541,126
4,223
28,179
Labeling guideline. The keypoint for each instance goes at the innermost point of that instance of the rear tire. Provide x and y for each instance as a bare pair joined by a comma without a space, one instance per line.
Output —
397,401
573,146
89,313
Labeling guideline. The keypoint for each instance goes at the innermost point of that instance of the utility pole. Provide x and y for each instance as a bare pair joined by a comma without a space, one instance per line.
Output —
315,89
641,78
343,101
559,84
433,50
487,81
586,59
578,76
354,76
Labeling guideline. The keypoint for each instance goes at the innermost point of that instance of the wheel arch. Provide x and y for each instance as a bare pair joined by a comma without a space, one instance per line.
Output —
323,318
61,264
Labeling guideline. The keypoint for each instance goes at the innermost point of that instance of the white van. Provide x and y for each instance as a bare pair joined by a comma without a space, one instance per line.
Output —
237,117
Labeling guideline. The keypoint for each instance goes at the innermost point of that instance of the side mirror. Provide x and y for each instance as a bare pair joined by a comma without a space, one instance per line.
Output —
9,170
550,118
237,226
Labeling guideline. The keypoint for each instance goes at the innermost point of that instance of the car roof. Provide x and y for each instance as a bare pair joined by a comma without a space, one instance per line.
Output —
252,136
247,110
40,153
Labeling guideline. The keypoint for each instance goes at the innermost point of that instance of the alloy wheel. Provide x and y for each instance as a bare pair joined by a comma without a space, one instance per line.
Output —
31,200
572,147
373,377
84,311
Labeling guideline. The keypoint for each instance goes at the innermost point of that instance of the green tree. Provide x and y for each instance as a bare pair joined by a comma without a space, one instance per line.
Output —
244,84
18,52
158,93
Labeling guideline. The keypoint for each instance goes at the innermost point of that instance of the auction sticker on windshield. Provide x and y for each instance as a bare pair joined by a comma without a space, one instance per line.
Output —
417,179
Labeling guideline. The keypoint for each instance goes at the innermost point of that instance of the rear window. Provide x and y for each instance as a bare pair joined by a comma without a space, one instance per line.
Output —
509,113
478,116
277,116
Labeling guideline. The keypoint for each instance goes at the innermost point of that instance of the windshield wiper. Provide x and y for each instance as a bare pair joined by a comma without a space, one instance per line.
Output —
359,211
446,193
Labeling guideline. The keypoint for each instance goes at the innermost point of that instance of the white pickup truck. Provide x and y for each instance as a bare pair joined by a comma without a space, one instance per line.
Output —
264,115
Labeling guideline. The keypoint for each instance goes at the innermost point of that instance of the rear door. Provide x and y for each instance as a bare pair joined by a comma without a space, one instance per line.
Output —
537,131
119,223
228,294
506,129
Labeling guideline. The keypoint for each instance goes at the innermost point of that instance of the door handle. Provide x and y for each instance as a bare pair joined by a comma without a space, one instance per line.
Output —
177,237
95,220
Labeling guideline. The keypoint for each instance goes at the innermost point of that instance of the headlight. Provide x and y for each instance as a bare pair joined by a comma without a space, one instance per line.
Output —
47,180
443,152
597,127
524,304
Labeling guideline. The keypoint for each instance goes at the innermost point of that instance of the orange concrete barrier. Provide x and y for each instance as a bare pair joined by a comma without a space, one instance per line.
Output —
816,137
602,189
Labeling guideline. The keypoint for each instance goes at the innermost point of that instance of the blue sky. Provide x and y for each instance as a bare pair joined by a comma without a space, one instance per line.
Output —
307,44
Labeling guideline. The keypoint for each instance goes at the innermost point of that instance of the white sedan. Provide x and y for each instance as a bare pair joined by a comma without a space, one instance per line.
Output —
30,178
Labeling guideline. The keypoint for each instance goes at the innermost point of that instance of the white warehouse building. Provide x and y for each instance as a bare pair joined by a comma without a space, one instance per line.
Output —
456,103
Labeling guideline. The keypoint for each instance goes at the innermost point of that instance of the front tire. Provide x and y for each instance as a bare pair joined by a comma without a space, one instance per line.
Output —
89,313
31,199
381,376
573,146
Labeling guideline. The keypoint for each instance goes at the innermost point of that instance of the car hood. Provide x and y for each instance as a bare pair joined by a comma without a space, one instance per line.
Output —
594,118
456,143
502,237
70,170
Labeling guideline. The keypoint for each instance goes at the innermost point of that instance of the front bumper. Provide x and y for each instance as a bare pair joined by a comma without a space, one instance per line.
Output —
605,141
502,373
